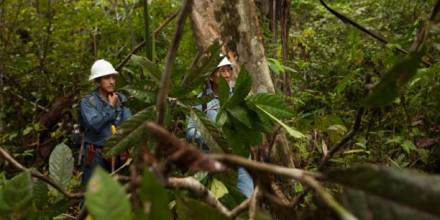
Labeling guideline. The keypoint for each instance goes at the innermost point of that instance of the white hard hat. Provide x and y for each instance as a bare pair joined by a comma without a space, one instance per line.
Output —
225,62
101,68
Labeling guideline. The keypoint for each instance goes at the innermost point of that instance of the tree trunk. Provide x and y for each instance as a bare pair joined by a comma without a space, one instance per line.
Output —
238,30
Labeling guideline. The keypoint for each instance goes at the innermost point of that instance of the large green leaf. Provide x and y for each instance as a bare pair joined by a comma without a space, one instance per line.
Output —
241,89
105,198
273,104
155,197
191,209
199,72
141,94
413,193
212,136
223,91
147,66
394,80
16,196
132,132
241,137
241,114
368,206
41,197
292,132
61,164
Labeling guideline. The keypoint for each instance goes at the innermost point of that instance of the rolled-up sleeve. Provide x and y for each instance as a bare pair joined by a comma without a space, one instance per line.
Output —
95,119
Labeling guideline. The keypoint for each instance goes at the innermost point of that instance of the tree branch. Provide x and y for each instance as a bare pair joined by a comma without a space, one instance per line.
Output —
39,175
376,36
253,203
294,173
165,81
347,137
200,190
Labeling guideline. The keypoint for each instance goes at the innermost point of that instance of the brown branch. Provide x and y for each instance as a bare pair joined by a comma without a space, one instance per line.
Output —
200,190
347,137
376,36
253,204
165,81
38,175
294,173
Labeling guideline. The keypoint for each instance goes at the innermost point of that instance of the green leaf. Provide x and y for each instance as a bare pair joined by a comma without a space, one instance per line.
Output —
141,94
132,132
61,164
394,80
408,146
409,190
198,73
292,132
369,206
223,89
41,197
154,198
191,209
241,89
241,137
212,136
273,104
147,66
16,195
218,188
241,114
105,198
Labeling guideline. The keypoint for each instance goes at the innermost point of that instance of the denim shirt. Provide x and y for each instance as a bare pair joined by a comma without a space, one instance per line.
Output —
97,117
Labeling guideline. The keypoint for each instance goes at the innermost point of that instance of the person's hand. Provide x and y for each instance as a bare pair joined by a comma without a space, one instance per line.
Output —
113,99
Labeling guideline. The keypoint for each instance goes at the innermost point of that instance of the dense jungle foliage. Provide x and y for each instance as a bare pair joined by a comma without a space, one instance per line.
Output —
350,131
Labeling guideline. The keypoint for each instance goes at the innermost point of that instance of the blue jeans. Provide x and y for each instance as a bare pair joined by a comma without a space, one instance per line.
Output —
245,184
88,169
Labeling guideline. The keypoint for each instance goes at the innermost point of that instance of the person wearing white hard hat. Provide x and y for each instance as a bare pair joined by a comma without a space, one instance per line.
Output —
224,69
101,113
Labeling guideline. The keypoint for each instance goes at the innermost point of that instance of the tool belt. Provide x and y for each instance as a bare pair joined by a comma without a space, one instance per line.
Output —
115,161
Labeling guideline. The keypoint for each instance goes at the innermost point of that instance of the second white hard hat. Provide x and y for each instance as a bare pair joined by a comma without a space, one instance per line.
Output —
101,68
225,62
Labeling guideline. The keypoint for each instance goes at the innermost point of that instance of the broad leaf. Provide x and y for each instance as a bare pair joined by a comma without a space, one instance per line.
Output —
241,114
16,196
292,132
199,72
147,66
153,196
241,137
190,209
105,198
41,197
273,104
141,94
132,132
405,190
368,206
241,89
223,91
61,164
212,136
218,188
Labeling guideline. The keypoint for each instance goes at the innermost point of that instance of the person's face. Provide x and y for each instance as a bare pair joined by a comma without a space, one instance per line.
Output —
107,83
225,71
